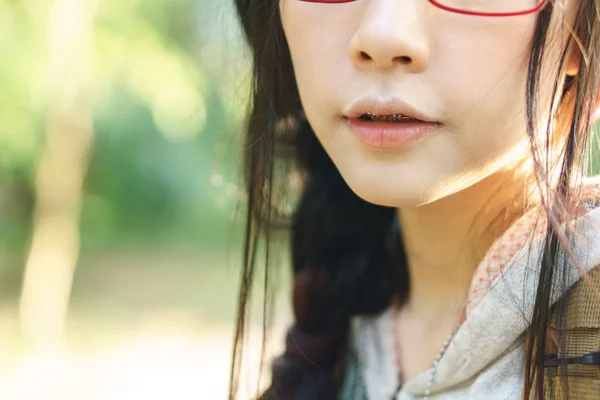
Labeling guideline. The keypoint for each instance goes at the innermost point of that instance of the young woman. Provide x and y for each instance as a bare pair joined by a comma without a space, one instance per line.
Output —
445,238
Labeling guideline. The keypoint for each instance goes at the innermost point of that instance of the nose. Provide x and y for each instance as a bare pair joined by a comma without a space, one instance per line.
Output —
390,35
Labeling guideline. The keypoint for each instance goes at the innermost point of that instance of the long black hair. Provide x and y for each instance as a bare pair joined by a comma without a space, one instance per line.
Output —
347,256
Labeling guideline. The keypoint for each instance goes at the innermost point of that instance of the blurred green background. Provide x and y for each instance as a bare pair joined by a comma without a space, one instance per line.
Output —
120,233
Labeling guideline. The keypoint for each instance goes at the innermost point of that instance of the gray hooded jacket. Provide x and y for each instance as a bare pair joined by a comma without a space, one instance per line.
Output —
486,357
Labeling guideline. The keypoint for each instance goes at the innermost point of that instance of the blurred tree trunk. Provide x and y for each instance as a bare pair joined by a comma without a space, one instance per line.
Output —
55,239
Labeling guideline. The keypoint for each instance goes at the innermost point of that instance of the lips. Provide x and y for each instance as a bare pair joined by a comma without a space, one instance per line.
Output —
390,136
388,125
368,107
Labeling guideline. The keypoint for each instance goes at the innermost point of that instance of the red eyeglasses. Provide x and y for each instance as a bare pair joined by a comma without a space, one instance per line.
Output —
482,8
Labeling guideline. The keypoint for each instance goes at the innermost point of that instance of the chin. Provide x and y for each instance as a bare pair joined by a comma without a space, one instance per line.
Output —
389,193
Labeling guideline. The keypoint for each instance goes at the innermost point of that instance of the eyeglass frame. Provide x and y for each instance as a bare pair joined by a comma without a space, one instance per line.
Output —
436,3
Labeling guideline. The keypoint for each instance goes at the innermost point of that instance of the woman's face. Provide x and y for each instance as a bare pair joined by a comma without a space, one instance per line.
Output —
467,73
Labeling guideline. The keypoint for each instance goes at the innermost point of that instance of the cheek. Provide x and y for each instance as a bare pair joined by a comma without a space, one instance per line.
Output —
480,71
479,74
318,42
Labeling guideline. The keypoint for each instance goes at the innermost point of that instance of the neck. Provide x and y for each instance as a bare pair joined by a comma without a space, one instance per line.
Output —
445,240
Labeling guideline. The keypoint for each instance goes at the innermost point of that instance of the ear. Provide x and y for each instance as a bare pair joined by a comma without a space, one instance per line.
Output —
573,60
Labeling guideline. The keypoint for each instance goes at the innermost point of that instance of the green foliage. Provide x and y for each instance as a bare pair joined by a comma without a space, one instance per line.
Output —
163,170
